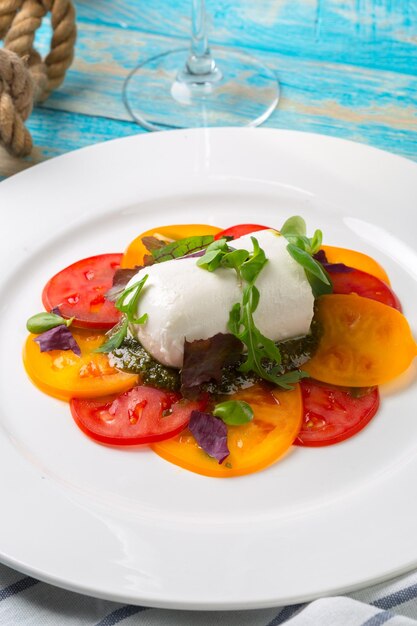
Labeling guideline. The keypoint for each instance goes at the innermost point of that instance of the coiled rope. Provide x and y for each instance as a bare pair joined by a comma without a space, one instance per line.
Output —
26,78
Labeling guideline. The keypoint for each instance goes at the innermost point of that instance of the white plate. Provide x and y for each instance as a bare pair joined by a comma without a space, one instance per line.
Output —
128,526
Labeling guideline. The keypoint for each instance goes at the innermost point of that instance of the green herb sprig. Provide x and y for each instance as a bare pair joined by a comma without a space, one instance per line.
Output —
302,249
127,303
234,412
241,324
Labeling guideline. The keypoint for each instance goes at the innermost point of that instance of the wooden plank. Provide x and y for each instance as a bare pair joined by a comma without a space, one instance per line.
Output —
356,99
379,34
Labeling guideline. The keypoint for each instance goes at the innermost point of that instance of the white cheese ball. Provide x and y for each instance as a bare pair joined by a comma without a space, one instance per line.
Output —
186,302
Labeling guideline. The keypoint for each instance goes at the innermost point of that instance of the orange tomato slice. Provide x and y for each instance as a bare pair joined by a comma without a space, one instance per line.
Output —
355,259
136,250
253,446
364,342
63,374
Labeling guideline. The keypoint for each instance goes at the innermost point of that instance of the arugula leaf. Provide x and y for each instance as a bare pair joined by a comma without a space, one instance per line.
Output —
241,324
130,307
251,268
117,336
181,247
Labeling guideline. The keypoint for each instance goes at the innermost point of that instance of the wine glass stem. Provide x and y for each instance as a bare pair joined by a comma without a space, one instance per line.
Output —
199,62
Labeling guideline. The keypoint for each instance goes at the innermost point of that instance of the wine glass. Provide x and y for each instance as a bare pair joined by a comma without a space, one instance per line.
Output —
192,88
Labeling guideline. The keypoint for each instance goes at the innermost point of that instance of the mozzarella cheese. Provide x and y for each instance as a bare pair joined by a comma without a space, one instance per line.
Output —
184,301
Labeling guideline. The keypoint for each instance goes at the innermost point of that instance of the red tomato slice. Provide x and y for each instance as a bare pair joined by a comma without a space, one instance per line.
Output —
333,414
239,230
141,415
78,291
364,285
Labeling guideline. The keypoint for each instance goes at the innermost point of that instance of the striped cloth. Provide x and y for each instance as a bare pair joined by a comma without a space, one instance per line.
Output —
24,600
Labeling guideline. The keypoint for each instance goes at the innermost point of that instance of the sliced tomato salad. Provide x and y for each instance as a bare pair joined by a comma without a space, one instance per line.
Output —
333,414
141,415
79,290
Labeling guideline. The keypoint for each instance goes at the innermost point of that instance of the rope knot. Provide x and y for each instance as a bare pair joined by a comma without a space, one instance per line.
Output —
25,78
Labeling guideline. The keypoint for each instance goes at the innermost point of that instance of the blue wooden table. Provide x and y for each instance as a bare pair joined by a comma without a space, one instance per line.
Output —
347,67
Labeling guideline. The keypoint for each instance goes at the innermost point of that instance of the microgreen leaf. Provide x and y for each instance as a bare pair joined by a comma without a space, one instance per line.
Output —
234,259
213,256
234,412
42,322
316,241
116,337
295,231
181,247
308,263
294,225
130,307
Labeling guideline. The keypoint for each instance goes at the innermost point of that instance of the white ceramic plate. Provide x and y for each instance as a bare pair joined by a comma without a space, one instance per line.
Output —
128,526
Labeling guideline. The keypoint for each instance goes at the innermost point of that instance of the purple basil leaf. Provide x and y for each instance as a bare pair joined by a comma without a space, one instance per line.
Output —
210,433
58,338
204,359
338,268
321,257
120,279
332,268
56,311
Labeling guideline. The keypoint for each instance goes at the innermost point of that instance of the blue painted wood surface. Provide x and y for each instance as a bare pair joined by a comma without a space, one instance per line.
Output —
347,67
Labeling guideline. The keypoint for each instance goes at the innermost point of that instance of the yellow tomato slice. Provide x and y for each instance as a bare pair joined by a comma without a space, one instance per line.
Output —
63,374
364,342
355,259
136,250
253,446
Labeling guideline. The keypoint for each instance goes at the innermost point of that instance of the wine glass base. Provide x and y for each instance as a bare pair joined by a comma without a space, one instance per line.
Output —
160,94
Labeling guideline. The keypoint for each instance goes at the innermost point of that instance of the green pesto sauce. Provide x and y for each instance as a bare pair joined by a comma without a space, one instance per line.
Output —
132,357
